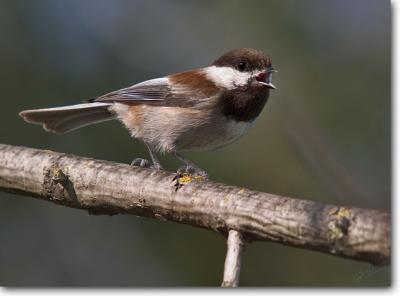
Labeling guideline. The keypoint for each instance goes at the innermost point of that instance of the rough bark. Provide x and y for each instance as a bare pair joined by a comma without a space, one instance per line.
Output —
103,187
233,260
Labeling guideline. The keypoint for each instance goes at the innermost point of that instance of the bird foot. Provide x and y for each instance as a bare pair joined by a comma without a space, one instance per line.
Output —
186,174
144,163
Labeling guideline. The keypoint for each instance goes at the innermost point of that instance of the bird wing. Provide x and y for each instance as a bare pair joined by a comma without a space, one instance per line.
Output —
184,89
153,91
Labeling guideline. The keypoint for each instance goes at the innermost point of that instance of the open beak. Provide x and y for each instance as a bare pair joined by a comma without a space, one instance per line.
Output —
265,78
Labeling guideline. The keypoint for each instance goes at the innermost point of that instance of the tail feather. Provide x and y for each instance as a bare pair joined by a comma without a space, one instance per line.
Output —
68,118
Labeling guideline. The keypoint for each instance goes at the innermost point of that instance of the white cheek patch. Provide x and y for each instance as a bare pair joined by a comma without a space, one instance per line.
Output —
227,77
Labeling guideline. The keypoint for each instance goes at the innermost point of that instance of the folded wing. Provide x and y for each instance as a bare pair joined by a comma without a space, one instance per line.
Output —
154,91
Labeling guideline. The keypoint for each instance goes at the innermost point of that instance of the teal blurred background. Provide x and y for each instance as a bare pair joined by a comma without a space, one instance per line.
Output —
324,134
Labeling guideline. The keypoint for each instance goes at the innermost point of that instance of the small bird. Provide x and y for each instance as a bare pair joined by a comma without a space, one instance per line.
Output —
195,110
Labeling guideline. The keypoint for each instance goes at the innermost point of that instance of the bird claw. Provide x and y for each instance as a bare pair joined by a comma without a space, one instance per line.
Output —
186,174
144,163
141,162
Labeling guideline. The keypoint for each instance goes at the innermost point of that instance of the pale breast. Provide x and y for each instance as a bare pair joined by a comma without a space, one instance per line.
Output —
159,126
169,129
215,134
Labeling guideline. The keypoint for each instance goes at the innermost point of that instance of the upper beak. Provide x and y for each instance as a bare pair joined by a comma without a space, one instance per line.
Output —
265,78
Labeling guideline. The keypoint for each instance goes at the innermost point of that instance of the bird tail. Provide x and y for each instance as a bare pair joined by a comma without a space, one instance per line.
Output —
68,118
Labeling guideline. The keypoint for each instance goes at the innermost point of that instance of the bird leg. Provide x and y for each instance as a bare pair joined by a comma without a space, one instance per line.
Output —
190,168
144,163
187,173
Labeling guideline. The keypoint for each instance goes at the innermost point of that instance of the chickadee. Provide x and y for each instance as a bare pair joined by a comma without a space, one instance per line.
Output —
199,109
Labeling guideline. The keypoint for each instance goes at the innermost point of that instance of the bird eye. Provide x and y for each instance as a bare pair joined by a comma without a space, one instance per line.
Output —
242,66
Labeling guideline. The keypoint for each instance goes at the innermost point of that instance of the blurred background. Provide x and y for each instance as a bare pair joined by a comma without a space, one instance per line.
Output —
324,134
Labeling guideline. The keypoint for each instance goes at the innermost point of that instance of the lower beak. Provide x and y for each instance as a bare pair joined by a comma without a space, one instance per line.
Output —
265,79
267,84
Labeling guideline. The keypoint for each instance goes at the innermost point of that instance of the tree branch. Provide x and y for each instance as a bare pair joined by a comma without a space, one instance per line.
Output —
233,260
103,187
